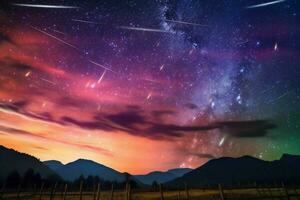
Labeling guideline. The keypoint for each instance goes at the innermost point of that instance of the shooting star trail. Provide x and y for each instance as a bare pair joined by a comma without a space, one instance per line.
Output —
101,77
280,97
93,62
144,29
57,31
265,4
46,80
221,142
84,21
56,38
183,22
44,6
243,42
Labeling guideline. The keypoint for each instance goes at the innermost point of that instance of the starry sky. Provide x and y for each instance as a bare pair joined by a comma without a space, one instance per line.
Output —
150,85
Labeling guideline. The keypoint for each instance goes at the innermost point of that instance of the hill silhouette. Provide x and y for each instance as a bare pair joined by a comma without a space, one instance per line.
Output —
73,170
11,160
53,164
242,170
162,177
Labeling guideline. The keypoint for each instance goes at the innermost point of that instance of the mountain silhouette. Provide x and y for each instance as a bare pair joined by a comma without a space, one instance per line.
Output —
162,177
73,170
243,170
53,164
11,160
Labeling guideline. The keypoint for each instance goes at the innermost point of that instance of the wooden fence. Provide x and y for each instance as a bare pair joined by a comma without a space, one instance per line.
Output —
213,193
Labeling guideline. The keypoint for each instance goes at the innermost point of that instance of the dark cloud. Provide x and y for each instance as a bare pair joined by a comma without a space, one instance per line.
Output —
161,113
127,119
92,124
191,106
15,107
20,107
10,130
5,38
255,128
72,102
136,122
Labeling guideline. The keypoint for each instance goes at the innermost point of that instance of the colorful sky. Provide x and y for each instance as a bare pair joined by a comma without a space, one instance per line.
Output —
150,85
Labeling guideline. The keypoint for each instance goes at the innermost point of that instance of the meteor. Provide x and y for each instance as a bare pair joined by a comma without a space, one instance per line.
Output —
101,77
48,81
57,31
183,22
101,66
84,21
144,29
44,6
265,4
56,38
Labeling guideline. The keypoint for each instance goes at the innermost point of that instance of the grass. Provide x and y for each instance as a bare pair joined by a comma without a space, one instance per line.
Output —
194,194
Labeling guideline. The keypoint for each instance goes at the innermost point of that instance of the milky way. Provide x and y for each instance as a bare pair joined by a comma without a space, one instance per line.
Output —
150,85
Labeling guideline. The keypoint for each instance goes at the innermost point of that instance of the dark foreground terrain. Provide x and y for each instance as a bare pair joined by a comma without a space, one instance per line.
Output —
284,193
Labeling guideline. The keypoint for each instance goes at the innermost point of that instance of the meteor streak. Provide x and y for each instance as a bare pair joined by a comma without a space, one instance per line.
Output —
56,38
183,22
144,29
101,66
46,80
101,77
84,21
265,4
44,6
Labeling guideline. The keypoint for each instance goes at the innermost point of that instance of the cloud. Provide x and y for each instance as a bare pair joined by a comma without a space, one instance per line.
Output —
14,131
5,38
127,119
191,106
138,122
255,128
162,113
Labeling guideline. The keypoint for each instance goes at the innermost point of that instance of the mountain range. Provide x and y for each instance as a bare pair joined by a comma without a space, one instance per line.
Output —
225,170
73,170
162,177
244,170
11,160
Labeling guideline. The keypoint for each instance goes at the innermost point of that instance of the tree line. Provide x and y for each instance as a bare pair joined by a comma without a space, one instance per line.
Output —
33,180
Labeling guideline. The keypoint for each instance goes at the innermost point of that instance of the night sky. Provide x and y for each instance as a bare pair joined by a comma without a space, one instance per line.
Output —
150,85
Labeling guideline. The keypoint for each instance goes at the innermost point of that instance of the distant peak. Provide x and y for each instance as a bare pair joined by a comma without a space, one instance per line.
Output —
287,156
53,161
84,160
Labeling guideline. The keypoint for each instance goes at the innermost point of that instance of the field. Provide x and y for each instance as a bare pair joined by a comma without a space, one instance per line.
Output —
192,194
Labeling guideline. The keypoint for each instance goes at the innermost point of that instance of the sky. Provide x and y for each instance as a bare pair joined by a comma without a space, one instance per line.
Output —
150,85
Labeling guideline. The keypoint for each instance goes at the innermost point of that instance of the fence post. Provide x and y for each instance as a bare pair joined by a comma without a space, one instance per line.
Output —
112,192
2,190
221,192
129,191
269,187
126,191
41,191
19,191
285,191
94,191
53,191
187,195
65,192
161,192
178,197
34,189
98,192
80,189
